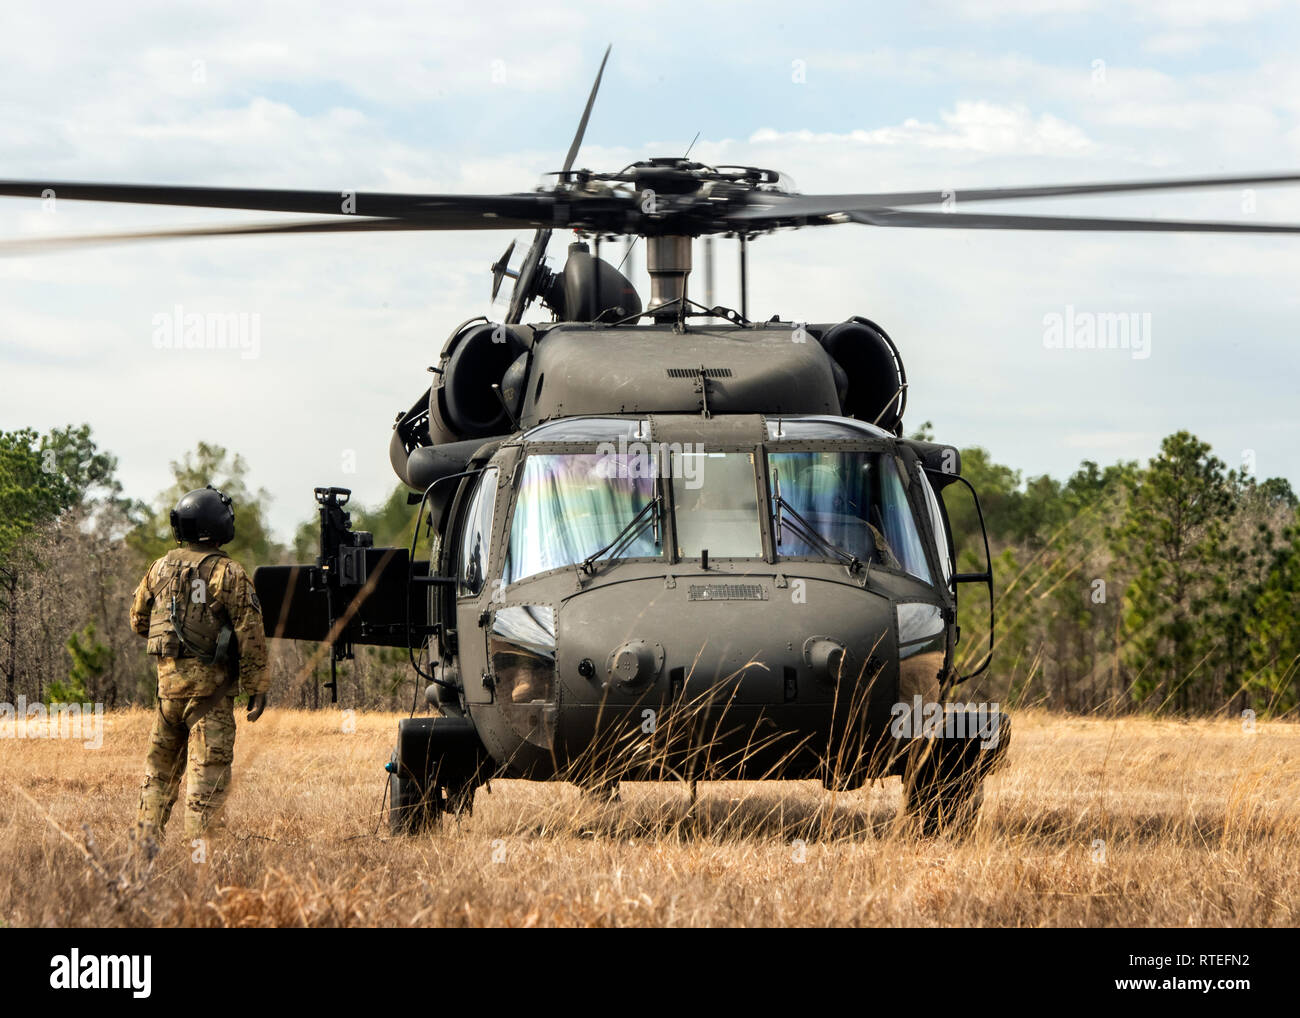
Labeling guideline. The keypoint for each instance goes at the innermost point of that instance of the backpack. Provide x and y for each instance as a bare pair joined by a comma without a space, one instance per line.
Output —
184,621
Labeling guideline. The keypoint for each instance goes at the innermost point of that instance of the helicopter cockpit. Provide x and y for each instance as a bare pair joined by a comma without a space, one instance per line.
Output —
592,490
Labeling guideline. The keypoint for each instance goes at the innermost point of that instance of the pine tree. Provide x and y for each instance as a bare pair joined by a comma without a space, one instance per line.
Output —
1172,537
90,660
1274,638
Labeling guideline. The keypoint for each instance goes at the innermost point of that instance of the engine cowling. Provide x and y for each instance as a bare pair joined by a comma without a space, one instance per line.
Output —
461,408
462,404
876,382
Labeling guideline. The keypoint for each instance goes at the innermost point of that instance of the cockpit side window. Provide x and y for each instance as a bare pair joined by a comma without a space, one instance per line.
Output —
943,546
900,524
476,538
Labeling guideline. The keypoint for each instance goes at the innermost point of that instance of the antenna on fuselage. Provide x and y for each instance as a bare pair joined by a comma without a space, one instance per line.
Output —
744,276
708,273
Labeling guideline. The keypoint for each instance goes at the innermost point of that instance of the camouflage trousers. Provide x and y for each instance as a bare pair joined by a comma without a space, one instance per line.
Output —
202,753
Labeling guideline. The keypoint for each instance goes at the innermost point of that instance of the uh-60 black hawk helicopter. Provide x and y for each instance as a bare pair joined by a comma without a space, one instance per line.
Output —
661,541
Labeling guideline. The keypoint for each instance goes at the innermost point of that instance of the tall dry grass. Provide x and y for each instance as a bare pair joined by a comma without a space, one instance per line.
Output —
1092,822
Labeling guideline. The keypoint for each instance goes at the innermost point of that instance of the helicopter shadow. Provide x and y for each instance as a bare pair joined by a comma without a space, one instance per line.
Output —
1061,827
656,813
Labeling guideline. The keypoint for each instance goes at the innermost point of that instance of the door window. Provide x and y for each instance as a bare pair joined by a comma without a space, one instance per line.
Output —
476,539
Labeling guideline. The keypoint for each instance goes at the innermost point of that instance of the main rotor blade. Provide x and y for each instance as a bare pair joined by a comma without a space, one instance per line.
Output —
995,221
763,205
441,211
44,245
586,114
521,294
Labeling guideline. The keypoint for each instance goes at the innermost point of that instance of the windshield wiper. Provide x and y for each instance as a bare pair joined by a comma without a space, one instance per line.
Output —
630,532
805,531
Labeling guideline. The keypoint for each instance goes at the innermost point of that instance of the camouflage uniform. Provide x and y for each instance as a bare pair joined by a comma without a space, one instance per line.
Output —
204,750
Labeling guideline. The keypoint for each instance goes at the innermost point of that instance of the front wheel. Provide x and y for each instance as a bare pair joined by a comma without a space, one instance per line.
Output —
942,796
943,782
437,765
410,809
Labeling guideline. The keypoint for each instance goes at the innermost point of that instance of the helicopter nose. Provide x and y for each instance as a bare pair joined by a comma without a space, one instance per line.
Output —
744,647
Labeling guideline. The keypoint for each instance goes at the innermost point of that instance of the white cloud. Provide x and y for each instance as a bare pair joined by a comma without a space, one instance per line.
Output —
978,127
1177,12
365,97
1179,42
1203,12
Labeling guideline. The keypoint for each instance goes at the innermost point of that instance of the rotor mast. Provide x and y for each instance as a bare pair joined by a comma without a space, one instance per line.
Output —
668,261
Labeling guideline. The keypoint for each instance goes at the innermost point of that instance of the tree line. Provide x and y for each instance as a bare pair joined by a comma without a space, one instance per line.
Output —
73,549
1168,587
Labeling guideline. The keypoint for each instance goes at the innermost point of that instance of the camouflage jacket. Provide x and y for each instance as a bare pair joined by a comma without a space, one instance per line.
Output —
231,594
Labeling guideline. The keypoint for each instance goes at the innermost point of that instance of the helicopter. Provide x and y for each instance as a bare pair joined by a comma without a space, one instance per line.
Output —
661,540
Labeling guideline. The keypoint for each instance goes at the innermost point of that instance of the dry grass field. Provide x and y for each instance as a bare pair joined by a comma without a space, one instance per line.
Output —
1127,822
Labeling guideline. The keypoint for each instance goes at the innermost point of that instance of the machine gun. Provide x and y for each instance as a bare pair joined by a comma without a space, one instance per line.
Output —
354,594
341,564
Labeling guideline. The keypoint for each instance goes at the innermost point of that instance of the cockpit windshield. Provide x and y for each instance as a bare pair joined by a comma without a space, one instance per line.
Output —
715,501
637,499
852,501
572,505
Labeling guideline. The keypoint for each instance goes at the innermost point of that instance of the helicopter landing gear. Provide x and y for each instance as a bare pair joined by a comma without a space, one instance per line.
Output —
435,768
943,784
942,804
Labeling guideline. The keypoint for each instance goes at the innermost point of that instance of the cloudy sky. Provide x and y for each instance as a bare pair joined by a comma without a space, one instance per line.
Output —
485,97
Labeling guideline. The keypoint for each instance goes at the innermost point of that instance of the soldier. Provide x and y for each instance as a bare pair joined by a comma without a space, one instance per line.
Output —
197,608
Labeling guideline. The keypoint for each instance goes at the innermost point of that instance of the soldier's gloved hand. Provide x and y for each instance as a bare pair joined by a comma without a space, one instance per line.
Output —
256,704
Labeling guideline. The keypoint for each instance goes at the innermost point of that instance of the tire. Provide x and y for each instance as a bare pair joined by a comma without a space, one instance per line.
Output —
435,769
943,797
410,810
